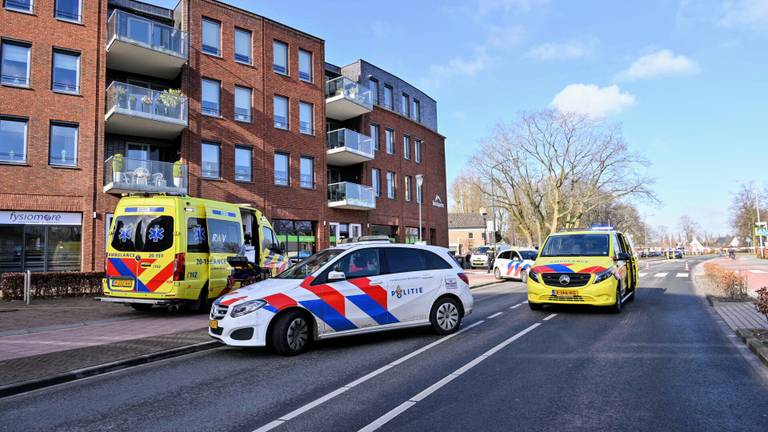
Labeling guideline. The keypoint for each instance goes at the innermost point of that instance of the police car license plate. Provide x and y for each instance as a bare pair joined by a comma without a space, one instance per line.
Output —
213,324
566,293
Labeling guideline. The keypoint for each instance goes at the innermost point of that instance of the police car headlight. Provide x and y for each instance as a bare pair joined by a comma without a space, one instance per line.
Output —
603,275
247,307
533,275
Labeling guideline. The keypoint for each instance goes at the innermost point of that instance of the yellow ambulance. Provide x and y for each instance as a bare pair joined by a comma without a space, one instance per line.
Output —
173,250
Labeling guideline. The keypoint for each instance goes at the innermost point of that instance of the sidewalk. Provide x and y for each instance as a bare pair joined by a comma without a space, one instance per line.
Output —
754,270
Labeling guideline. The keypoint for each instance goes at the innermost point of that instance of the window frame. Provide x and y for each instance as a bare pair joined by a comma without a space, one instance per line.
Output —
389,143
311,130
29,11
417,150
405,102
391,92
250,104
374,136
311,65
374,91
287,112
406,147
64,51
202,161
79,9
76,127
376,181
416,110
287,58
219,49
249,149
287,169
240,30
202,99
312,166
28,45
408,185
24,120
391,185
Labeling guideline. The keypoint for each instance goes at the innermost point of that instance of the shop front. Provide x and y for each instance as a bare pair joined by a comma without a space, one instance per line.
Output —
383,230
298,237
40,241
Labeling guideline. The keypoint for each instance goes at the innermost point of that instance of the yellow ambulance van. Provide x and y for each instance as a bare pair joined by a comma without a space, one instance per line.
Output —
172,250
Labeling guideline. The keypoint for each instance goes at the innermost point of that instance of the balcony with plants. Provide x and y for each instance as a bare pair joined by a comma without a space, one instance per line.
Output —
139,111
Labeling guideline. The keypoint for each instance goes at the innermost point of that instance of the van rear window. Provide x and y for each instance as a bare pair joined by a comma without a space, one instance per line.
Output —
144,233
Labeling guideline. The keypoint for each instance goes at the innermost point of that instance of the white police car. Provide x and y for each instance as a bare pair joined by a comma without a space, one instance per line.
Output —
514,263
349,289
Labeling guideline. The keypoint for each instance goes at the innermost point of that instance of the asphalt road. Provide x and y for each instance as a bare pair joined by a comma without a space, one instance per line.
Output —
662,364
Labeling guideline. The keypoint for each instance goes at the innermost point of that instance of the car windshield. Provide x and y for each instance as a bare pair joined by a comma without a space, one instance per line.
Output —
309,265
529,255
482,250
576,245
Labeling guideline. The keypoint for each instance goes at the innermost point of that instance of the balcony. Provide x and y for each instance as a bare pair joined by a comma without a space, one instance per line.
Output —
124,175
139,111
140,45
351,196
346,99
347,147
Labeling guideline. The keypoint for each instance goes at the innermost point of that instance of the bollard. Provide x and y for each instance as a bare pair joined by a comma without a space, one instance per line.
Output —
27,286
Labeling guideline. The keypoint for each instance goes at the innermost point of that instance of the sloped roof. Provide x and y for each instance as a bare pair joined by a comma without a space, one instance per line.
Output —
465,220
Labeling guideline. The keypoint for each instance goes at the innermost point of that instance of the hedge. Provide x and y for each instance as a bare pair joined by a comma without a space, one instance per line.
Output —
53,284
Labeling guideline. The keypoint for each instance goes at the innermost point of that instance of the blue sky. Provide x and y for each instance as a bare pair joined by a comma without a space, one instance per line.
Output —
687,79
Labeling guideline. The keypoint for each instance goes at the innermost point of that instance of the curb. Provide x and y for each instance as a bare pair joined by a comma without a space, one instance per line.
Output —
754,344
484,284
27,386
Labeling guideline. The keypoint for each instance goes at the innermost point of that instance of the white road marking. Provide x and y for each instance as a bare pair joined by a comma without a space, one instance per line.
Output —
495,315
682,275
758,271
643,274
525,302
549,317
301,410
381,421
660,275
516,306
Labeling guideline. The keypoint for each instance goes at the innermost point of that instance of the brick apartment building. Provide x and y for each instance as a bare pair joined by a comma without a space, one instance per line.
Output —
104,98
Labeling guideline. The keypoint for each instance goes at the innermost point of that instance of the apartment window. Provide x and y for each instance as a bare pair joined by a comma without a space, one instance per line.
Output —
405,105
68,10
376,181
306,112
281,112
417,151
243,104
63,145
307,172
243,46
391,185
305,65
388,102
373,85
211,37
375,136
211,160
408,187
13,140
406,146
280,57
419,193
66,72
14,69
211,97
243,164
416,110
389,140
470,235
281,169
19,5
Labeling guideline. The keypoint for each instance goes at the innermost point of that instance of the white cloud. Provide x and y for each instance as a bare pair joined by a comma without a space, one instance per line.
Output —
658,64
562,51
745,13
505,36
592,100
488,6
457,67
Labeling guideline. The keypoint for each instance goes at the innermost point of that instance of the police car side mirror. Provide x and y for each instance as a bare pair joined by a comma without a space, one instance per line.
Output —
334,275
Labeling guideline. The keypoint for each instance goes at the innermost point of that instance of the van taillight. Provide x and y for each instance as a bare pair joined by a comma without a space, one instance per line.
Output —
179,267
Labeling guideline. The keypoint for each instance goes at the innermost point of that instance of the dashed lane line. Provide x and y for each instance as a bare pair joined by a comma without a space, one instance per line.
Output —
682,275
494,315
643,274
549,317
660,275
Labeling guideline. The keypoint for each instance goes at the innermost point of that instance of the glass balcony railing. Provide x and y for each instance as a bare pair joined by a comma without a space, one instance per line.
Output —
123,174
351,90
351,195
143,102
150,34
351,140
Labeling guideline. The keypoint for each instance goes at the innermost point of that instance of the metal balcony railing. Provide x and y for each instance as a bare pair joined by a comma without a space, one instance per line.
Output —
351,140
351,195
123,174
351,90
143,102
148,33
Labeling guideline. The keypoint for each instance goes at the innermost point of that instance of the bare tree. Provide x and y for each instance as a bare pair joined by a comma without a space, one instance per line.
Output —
549,169
743,211
466,195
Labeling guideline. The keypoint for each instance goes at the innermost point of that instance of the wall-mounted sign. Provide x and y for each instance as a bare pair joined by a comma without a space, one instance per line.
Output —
761,231
437,202
39,218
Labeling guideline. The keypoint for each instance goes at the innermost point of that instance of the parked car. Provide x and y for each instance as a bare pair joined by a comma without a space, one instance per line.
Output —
514,263
479,257
350,289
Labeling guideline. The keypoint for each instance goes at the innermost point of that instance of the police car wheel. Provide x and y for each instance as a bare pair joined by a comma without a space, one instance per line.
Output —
291,334
445,316
497,273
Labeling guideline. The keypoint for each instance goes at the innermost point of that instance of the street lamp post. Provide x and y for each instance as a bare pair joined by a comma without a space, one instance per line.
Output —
493,205
420,197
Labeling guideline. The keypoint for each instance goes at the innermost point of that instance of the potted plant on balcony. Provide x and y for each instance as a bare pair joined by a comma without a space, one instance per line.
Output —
118,164
118,95
132,102
170,100
146,102
177,173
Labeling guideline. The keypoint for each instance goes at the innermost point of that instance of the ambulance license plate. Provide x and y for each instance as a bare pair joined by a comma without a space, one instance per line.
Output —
566,293
122,283
213,324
